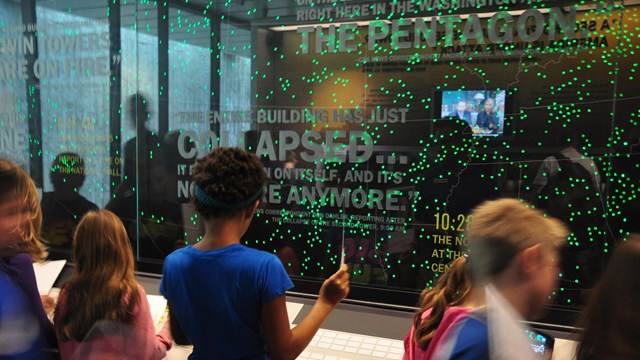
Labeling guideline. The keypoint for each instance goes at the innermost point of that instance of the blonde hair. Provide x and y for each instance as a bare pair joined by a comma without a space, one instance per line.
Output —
103,285
29,233
502,228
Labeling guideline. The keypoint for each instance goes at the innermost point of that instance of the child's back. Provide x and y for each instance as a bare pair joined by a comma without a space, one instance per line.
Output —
229,299
217,295
103,313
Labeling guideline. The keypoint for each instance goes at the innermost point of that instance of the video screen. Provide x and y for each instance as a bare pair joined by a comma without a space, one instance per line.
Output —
483,110
541,343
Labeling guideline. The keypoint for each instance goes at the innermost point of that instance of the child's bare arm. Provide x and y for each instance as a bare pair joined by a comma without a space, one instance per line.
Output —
286,343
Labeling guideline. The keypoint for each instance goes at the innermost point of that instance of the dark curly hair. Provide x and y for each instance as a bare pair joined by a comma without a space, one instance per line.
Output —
228,176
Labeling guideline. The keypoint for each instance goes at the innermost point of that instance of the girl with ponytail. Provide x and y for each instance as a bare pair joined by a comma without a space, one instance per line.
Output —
440,307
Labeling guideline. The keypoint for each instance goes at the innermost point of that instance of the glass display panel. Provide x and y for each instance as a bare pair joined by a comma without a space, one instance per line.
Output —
381,125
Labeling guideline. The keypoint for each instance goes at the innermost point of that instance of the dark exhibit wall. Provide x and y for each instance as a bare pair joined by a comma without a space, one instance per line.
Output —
556,70
381,124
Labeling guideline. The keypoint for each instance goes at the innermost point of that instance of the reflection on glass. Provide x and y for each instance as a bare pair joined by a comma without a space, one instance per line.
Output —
342,109
63,207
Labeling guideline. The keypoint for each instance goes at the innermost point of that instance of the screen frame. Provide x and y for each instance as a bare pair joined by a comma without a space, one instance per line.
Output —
548,343
510,108
372,295
557,318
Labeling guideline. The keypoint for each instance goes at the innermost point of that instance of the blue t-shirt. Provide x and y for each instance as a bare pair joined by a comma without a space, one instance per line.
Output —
217,297
18,334
22,316
469,340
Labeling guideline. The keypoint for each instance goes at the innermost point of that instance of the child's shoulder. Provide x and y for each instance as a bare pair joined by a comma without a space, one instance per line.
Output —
190,252
250,258
255,254
178,256
18,261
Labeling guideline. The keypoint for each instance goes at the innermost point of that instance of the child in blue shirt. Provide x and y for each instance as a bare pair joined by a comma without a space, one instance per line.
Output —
230,299
25,330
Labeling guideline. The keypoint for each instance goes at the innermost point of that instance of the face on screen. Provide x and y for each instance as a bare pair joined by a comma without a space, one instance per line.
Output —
488,105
